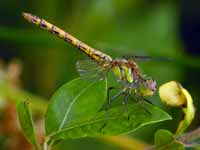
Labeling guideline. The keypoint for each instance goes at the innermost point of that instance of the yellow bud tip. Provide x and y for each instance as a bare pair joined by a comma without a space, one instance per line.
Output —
171,94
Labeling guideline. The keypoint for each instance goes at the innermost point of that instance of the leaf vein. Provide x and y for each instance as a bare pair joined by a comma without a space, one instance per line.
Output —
70,105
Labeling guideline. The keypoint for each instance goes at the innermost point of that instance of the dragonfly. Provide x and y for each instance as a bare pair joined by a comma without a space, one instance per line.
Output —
125,69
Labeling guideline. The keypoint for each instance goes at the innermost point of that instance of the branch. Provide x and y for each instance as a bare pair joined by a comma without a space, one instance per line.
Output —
187,138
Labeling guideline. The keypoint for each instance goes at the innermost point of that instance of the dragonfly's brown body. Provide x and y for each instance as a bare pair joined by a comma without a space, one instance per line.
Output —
125,70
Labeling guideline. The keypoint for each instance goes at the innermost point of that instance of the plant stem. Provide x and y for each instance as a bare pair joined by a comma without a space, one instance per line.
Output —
45,147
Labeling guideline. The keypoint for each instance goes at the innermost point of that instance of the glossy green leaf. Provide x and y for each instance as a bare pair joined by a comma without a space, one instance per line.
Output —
164,140
73,102
116,123
26,122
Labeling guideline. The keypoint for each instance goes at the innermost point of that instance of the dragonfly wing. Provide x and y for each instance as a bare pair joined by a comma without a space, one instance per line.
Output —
89,69
146,58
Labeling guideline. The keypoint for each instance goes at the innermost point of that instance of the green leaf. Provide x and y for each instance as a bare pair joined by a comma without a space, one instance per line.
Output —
73,102
73,112
117,122
26,122
164,140
162,137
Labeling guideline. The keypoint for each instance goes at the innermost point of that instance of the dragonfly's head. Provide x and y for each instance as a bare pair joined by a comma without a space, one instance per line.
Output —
148,87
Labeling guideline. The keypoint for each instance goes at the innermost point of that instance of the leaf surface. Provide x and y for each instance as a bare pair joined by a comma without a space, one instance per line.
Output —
164,140
73,102
26,122
117,122
74,113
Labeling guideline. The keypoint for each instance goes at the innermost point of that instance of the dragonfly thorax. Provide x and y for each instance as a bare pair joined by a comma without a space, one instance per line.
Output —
128,73
125,70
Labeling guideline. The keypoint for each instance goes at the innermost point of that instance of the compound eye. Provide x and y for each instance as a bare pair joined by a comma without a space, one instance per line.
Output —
152,85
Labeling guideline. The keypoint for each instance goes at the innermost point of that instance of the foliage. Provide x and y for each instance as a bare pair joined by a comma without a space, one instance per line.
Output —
164,140
26,122
74,112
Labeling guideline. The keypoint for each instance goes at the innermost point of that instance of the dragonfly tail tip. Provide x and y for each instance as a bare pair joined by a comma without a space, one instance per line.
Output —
27,16
24,14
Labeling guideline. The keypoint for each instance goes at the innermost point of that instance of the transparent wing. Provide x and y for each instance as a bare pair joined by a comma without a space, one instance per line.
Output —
147,58
89,69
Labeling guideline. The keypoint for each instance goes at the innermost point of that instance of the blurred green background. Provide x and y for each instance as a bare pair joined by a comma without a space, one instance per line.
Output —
117,27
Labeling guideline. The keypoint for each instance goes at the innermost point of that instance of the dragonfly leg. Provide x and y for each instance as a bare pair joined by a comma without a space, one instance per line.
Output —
108,96
142,105
109,101
148,101
140,99
124,103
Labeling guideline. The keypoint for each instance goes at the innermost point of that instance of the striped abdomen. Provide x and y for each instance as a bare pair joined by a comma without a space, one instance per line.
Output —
92,53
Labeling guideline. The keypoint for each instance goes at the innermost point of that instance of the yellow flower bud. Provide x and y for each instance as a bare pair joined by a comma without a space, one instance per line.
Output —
171,94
